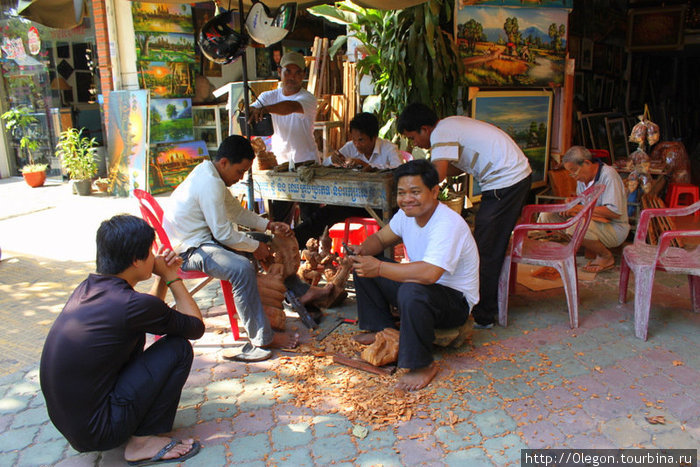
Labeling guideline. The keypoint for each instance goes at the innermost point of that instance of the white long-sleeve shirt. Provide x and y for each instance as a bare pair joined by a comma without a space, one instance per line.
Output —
202,209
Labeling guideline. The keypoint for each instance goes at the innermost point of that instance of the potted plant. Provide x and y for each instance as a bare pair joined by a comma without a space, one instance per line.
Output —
77,154
449,196
18,122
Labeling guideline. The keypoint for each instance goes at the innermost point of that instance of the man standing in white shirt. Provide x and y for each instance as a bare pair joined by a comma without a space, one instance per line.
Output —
462,144
366,148
201,222
293,111
434,290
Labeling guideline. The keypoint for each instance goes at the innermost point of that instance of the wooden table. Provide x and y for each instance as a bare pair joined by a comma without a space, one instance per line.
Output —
334,186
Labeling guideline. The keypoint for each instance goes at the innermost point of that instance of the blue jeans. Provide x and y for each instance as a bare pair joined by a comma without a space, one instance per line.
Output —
222,263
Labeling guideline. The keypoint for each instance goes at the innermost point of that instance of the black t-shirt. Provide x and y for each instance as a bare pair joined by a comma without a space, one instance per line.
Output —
99,331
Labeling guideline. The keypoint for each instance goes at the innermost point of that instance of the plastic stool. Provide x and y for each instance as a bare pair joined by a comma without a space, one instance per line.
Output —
676,190
353,231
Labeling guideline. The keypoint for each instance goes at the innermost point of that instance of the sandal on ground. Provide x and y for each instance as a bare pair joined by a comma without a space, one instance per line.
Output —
158,458
596,268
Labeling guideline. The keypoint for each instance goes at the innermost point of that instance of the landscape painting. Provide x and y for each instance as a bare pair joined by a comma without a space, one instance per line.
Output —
171,163
506,47
164,47
167,79
162,17
171,120
526,117
127,138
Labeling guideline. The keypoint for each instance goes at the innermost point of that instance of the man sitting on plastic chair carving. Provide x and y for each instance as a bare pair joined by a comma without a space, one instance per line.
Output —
201,222
610,225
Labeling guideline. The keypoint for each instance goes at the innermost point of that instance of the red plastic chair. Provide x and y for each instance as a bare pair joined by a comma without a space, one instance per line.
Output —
644,259
556,255
153,214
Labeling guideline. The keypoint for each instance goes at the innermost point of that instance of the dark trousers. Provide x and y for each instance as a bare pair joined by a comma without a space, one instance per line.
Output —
498,213
147,393
422,309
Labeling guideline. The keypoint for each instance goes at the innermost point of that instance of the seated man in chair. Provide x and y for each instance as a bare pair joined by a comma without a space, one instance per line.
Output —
435,290
609,226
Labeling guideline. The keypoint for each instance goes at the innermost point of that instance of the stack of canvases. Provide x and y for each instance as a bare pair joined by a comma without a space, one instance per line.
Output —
166,62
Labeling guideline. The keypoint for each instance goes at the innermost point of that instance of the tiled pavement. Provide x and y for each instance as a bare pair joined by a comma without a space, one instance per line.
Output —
534,384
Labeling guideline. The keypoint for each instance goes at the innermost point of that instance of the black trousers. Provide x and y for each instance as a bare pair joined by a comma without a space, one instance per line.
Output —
145,399
422,309
498,213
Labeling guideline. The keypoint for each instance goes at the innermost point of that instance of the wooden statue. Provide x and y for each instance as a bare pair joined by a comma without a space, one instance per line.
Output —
384,349
309,271
272,289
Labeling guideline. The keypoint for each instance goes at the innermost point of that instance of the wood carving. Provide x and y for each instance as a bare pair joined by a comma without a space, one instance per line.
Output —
271,288
309,270
385,348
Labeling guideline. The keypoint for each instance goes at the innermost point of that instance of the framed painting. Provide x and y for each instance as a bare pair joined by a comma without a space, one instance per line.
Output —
530,127
171,120
511,47
617,137
164,47
656,28
170,164
162,17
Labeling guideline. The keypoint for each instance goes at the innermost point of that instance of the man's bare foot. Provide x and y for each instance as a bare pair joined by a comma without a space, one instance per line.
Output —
283,340
144,447
365,338
316,293
417,379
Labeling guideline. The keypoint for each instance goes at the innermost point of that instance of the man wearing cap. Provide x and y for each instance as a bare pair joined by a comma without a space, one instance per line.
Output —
293,111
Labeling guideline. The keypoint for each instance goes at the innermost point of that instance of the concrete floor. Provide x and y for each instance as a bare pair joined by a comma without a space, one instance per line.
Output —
534,384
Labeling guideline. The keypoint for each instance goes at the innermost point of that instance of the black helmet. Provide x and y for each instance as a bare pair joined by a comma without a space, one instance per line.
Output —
219,41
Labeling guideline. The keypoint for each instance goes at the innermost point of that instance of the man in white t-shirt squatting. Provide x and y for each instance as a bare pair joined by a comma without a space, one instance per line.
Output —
293,111
434,290
462,144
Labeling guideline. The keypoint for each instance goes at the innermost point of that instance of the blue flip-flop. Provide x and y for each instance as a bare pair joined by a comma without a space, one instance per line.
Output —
158,458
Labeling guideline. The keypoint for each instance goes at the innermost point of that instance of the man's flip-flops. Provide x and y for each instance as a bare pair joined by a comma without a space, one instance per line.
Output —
250,353
158,458
590,265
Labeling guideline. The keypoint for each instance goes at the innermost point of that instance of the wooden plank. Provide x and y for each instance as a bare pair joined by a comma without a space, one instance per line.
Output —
311,86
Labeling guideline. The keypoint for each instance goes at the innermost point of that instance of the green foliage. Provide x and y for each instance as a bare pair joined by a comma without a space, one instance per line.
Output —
18,121
77,154
410,56
31,168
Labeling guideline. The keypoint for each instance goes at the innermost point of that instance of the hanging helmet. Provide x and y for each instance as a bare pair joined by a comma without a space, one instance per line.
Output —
267,28
219,41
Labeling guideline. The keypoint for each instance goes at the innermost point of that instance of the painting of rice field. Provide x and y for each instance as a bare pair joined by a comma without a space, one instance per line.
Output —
167,79
164,47
162,17
526,117
524,3
170,164
171,120
509,47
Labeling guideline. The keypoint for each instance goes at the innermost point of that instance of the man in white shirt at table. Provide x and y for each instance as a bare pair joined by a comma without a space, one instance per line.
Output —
366,148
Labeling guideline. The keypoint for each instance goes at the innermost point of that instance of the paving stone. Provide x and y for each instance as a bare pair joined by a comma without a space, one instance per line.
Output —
419,450
48,453
48,432
333,448
471,456
185,417
30,417
288,413
528,410
589,440
479,402
659,386
572,420
683,375
330,425
542,434
384,457
250,448
224,389
14,403
18,439
682,406
624,432
376,439
246,423
218,408
493,422
191,396
5,422
298,457
291,435
511,389
505,450
251,400
208,456
210,433
9,458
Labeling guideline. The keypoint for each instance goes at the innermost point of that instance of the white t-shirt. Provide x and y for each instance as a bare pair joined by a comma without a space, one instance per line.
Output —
480,149
293,138
446,242
384,156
